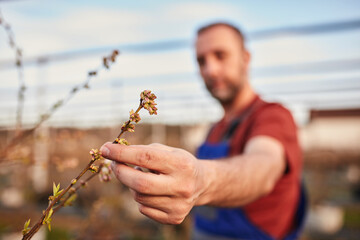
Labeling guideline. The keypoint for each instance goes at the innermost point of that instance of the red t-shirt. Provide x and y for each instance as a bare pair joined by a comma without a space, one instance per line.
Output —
273,213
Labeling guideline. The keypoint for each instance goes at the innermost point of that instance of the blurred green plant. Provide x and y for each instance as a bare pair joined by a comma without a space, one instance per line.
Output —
58,234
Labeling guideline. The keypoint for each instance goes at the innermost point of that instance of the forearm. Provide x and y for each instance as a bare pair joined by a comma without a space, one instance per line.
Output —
238,180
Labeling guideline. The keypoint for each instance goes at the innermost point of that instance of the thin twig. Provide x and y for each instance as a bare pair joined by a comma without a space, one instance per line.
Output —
124,129
20,69
74,190
39,223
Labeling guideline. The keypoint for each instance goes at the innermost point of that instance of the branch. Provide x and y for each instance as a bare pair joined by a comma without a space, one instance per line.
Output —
147,101
68,199
106,62
20,69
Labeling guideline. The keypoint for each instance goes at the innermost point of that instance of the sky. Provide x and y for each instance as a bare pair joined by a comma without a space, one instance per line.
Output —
44,28
51,26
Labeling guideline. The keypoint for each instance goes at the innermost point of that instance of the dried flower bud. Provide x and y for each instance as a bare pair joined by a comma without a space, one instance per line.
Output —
105,63
11,42
121,141
74,90
144,94
45,116
128,127
105,178
95,154
94,168
19,52
147,95
83,183
148,101
72,190
113,58
114,55
134,117
150,106
58,104
92,73
105,173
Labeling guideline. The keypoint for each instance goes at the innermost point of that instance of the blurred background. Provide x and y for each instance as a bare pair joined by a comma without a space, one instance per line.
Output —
305,55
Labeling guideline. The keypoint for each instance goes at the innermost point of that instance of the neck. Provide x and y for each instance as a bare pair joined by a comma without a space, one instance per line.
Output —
242,100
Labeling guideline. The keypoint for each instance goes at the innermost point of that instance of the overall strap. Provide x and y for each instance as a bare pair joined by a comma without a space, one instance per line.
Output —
238,120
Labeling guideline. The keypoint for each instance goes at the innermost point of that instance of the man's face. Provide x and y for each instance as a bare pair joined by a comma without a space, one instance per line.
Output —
223,62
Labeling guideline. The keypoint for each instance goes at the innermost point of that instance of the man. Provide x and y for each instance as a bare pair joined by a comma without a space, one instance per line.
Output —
249,177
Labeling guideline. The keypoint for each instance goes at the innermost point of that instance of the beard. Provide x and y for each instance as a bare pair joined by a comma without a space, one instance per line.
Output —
226,94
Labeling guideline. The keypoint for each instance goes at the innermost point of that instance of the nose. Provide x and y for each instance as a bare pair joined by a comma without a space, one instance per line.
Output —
211,68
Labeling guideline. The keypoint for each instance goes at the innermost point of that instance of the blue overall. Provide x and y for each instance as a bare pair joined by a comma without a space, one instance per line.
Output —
232,223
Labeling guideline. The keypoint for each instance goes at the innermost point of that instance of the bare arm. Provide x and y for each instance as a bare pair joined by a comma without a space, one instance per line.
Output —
241,179
182,181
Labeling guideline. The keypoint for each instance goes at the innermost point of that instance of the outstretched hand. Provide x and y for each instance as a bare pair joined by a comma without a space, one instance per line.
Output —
169,191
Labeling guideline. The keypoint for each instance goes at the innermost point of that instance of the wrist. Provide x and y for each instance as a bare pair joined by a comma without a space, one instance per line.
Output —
207,173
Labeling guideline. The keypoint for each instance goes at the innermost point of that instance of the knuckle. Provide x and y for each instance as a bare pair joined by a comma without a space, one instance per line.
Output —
182,209
175,220
186,190
156,145
142,186
138,197
186,164
144,158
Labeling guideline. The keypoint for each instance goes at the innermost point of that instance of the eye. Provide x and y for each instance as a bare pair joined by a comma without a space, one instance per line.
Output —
201,61
220,55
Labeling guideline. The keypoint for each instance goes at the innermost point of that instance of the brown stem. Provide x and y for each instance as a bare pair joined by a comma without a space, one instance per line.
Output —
127,123
62,203
39,223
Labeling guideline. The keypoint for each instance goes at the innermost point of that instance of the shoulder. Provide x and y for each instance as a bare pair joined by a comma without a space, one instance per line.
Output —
273,119
271,111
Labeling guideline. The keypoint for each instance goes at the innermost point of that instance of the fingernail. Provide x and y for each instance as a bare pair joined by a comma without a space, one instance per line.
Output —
104,151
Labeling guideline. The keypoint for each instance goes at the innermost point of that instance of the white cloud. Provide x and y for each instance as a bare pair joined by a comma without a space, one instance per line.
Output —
286,50
77,29
197,11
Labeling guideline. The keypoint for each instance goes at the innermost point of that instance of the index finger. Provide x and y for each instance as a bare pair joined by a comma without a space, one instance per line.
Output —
140,155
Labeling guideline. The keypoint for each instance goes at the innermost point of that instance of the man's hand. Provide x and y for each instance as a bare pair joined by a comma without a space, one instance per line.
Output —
177,181
170,190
